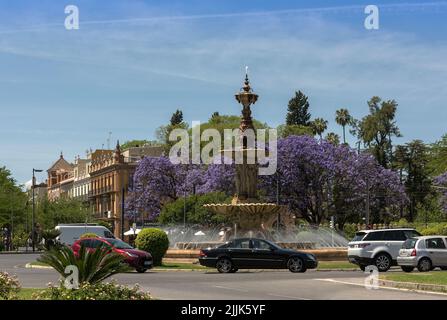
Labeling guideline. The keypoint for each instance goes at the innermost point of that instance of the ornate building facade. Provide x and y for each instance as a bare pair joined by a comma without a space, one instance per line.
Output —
111,176
60,179
81,179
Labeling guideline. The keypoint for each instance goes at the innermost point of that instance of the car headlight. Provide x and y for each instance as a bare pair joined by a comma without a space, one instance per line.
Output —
310,256
131,255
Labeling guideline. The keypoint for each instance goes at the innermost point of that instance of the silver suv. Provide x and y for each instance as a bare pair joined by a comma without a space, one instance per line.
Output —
378,247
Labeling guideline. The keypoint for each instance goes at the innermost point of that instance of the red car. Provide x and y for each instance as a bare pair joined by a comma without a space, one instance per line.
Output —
138,259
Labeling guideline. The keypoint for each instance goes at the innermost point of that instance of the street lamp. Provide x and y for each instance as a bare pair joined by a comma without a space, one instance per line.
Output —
33,230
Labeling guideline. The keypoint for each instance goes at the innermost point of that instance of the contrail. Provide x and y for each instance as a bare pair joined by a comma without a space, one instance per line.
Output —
333,9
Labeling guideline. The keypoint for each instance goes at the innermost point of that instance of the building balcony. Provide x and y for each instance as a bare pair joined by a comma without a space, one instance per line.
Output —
100,191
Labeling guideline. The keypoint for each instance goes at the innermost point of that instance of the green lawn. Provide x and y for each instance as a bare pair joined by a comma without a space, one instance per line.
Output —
323,265
173,266
433,277
26,293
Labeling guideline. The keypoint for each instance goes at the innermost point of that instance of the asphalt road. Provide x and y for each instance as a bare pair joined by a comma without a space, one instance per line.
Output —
242,285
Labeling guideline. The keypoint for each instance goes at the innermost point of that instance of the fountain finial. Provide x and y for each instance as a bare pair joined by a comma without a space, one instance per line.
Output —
246,96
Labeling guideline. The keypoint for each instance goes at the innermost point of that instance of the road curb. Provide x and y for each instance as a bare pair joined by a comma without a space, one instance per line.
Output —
413,286
33,266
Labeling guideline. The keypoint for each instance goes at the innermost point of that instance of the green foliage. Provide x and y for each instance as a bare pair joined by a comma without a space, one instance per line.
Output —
437,162
19,238
137,143
403,223
343,118
93,267
377,128
154,241
13,201
51,213
349,230
319,125
9,286
293,130
87,291
437,229
195,212
298,110
177,118
88,235
221,123
333,138
411,161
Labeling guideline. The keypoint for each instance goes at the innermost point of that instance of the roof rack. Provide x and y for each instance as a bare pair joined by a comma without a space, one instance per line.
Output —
76,224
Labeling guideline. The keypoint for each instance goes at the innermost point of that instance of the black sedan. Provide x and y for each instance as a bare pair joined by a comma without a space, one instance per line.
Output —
250,253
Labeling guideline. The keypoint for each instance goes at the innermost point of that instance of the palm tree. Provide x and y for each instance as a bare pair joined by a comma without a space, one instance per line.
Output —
93,267
319,125
333,138
343,118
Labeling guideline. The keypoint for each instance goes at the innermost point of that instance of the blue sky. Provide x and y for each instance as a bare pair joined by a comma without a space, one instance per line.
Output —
132,63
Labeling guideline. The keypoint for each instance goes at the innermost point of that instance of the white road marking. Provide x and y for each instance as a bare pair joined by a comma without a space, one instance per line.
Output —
290,297
382,287
229,288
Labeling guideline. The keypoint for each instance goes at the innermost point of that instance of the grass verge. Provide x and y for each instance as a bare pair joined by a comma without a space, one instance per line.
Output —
433,277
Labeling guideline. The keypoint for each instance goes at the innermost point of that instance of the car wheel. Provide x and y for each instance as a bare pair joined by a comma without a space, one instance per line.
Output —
234,270
407,268
383,262
141,270
224,265
424,265
296,264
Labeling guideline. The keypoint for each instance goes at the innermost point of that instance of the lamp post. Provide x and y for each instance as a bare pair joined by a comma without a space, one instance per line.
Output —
33,229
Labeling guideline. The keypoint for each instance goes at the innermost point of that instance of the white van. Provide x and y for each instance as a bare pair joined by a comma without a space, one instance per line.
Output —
72,232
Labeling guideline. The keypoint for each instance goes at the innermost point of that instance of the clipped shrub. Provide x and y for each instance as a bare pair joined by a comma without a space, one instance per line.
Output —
403,223
437,229
87,291
9,286
88,235
154,241
349,230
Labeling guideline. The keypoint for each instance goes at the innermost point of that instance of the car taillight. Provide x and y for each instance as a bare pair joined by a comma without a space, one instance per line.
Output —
363,245
413,253
202,254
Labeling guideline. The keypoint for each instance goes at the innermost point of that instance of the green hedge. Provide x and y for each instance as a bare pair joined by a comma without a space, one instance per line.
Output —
154,241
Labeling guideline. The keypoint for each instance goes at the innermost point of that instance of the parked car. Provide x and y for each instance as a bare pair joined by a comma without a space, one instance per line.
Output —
138,259
423,253
72,232
251,253
378,247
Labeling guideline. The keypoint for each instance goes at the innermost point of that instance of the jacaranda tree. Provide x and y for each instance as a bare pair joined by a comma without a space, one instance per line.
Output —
319,179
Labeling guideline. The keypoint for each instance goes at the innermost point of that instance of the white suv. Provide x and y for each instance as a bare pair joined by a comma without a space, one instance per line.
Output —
378,247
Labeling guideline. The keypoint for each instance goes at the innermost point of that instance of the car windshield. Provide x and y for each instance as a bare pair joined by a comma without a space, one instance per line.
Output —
359,236
409,243
411,233
272,244
119,244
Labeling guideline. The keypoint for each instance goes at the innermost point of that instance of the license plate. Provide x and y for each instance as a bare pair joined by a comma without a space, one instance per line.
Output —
147,263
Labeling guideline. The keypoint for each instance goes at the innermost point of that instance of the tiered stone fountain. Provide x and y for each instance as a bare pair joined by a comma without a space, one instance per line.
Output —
250,216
